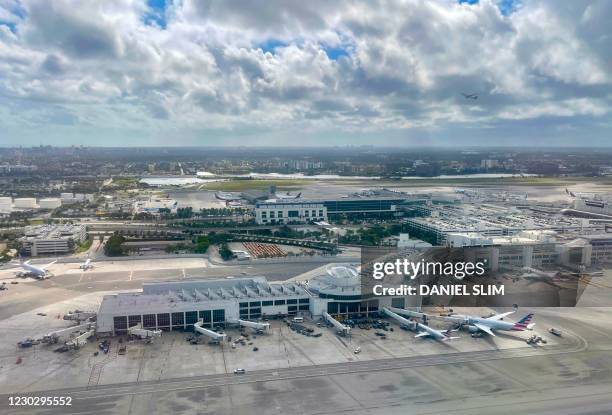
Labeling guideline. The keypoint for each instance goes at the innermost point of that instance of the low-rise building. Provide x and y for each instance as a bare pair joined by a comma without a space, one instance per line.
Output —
281,211
52,239
180,304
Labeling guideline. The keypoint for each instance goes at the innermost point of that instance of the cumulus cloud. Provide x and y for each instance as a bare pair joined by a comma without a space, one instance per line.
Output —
270,69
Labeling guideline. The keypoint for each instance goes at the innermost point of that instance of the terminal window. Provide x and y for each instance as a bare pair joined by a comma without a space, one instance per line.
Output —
134,320
191,317
163,320
205,315
219,316
178,319
120,324
149,321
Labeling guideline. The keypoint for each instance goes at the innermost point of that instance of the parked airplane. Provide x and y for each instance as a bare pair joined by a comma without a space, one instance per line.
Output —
494,323
287,195
29,270
441,335
87,264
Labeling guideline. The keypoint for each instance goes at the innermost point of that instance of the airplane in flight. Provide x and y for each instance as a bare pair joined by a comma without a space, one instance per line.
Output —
493,323
29,270
87,264
469,96
440,335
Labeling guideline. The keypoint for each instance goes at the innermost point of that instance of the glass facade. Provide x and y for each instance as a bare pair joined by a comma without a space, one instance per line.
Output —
120,324
134,320
163,320
178,319
191,317
149,321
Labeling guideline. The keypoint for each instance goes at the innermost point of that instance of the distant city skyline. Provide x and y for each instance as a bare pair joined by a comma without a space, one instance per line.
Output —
239,73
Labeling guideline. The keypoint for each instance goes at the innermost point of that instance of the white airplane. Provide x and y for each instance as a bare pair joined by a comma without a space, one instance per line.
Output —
87,264
441,335
287,195
29,270
490,324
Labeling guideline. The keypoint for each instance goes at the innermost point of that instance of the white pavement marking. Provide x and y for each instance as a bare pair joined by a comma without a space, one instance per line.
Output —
183,273
131,274
81,277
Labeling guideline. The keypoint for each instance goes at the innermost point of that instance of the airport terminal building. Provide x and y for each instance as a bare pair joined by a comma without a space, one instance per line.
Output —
180,304
283,211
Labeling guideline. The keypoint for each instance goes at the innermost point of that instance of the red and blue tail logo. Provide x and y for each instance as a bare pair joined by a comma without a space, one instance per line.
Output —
523,323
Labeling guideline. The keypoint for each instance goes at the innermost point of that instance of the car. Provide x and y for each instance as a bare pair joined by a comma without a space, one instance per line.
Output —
239,371
357,350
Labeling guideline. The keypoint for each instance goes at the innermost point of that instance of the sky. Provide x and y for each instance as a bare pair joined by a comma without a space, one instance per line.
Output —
299,73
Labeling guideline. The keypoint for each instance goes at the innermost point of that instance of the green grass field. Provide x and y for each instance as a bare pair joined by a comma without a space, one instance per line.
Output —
241,185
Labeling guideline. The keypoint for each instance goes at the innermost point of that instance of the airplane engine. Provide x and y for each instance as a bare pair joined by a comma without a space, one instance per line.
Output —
473,329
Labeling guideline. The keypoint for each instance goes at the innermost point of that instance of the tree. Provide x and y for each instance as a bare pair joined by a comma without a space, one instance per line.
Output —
113,246
202,244
225,252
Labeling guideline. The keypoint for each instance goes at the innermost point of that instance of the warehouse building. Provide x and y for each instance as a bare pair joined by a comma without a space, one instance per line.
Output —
52,239
180,304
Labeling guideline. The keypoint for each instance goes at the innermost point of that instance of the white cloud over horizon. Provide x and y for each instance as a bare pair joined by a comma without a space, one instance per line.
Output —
125,72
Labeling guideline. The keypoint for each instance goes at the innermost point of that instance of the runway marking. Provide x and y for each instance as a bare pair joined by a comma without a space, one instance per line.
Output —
131,275
183,273
81,277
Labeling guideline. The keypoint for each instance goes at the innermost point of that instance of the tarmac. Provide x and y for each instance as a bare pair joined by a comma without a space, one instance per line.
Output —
294,373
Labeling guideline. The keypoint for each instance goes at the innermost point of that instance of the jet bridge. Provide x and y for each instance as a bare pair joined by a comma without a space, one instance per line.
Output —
218,337
78,315
401,311
404,322
81,339
54,336
138,331
252,324
341,328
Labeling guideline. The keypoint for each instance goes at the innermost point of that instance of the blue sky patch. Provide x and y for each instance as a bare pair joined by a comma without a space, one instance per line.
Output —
156,16
505,6
334,53
270,45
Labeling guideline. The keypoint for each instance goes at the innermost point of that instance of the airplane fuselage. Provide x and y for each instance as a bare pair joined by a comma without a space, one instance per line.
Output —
496,324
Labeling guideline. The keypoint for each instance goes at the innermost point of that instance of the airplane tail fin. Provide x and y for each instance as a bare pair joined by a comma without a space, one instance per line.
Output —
525,322
298,195
527,319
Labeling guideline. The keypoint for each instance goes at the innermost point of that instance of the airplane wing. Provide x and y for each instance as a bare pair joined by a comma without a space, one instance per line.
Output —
500,316
484,328
422,334
48,265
